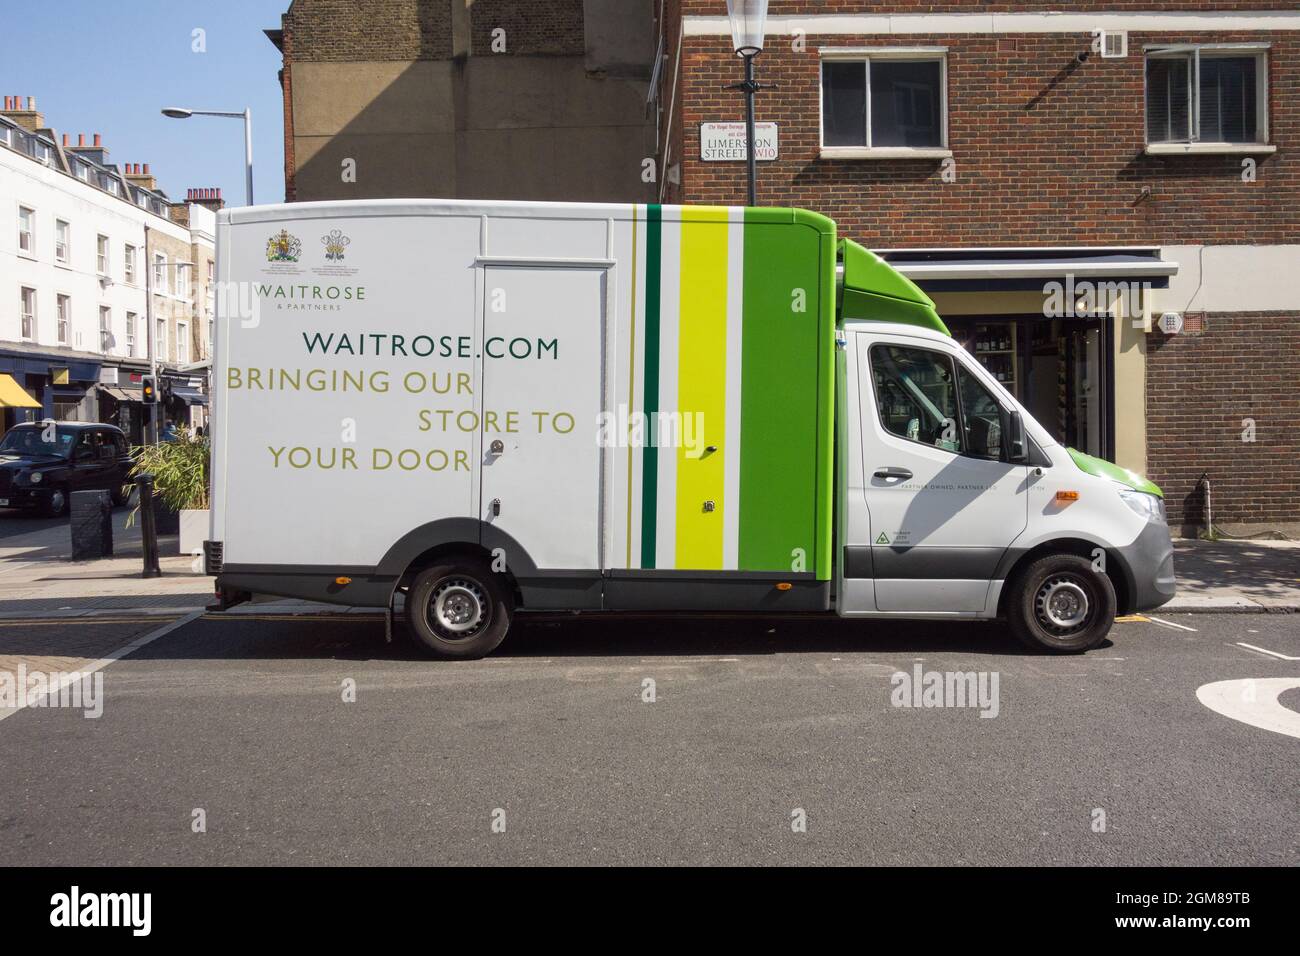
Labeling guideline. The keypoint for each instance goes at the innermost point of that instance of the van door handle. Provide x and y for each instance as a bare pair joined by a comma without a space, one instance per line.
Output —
902,474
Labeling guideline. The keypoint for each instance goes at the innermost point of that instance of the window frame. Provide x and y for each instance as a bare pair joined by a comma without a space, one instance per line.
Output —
1193,52
105,328
183,350
63,318
128,263
64,259
957,367
30,233
131,319
864,56
159,266
103,253
27,321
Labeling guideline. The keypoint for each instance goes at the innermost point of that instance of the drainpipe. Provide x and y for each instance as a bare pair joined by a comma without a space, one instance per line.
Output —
152,434
1209,510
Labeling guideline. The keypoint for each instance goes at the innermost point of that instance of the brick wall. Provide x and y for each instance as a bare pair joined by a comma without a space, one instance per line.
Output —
1200,390
1047,150
554,28
345,30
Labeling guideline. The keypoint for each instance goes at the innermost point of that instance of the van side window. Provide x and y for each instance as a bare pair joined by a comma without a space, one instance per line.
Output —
981,417
916,392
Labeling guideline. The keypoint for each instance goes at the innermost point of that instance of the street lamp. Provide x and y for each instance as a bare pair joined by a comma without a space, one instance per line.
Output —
747,24
176,112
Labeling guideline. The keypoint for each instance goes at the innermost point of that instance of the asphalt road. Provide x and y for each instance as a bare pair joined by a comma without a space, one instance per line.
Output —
752,721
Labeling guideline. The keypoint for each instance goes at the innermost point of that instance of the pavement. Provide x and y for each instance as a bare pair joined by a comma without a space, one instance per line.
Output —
621,740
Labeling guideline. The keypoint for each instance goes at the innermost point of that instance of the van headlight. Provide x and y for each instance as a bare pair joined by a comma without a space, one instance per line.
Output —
1148,506
28,478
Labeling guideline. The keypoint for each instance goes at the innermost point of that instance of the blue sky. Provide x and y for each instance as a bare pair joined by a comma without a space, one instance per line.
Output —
109,68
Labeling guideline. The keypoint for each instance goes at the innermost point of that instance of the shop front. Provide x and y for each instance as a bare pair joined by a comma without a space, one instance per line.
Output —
61,386
1062,329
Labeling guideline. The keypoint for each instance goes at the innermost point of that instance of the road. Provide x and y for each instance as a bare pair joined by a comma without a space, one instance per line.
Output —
242,725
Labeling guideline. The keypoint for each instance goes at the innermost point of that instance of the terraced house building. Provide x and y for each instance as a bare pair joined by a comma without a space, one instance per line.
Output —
1103,199
91,251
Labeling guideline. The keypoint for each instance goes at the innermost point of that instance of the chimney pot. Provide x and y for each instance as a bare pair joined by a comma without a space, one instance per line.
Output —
65,139
98,142
31,104
9,102
146,169
81,139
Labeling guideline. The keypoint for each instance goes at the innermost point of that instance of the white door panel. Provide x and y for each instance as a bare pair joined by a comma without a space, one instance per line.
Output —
940,517
543,348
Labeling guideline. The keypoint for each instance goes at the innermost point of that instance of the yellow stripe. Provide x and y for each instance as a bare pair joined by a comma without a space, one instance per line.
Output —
702,387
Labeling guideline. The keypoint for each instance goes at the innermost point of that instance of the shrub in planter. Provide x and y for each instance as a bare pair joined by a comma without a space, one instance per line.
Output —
180,477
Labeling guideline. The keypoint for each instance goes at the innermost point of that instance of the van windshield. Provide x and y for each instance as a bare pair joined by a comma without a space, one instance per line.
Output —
33,440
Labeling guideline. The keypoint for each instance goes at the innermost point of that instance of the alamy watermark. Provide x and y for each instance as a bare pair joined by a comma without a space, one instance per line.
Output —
926,689
67,689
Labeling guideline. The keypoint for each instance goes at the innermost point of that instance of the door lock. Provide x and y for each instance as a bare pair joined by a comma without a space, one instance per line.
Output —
495,507
497,446
709,505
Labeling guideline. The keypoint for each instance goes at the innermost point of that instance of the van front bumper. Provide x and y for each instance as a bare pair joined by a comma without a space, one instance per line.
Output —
1148,565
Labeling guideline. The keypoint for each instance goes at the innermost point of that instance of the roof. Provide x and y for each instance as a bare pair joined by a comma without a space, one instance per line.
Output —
71,426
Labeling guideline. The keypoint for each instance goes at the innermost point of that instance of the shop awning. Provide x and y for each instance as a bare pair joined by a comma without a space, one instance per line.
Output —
1027,269
13,395
189,395
122,394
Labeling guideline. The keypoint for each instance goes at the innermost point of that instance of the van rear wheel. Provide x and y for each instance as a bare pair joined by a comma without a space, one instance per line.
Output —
1061,604
458,609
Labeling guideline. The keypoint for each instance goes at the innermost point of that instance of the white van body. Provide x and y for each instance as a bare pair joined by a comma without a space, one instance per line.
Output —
441,399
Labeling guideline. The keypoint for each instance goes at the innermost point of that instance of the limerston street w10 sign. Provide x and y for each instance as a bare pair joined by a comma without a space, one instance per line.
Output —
725,142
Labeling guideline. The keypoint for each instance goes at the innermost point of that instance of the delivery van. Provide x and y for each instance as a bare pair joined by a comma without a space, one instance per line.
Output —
477,409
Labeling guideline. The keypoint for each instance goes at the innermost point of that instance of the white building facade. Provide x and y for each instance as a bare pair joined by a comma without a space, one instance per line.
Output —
78,241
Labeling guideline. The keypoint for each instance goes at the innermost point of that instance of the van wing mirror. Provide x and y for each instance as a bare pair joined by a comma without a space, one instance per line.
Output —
1017,445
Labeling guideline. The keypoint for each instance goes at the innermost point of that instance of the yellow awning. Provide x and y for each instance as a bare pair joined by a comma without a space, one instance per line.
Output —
13,395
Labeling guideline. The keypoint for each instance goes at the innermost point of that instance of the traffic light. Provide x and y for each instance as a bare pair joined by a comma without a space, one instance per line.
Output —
149,390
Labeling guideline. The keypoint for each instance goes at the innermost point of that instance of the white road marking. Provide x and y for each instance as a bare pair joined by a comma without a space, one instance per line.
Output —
117,655
1161,620
1253,701
1263,650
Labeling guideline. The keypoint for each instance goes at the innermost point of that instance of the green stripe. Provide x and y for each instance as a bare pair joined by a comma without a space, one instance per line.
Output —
781,468
650,403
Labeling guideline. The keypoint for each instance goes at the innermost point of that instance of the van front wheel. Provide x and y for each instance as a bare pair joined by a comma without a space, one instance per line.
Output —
458,609
1061,604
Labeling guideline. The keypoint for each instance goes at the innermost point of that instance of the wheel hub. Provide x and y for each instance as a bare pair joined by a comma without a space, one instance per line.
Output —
457,606
1062,604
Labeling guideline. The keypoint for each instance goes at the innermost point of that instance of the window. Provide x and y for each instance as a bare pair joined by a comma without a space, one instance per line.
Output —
892,102
917,395
1207,96
27,230
159,272
105,328
183,280
210,271
129,263
981,417
182,342
28,312
101,255
64,318
160,340
62,234
131,320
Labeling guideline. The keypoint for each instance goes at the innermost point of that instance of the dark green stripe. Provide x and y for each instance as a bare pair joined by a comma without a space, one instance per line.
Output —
650,403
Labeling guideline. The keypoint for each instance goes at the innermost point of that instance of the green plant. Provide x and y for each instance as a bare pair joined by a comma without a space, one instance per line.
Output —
180,471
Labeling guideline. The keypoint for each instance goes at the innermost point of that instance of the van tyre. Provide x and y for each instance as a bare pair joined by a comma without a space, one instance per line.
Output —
1061,604
458,609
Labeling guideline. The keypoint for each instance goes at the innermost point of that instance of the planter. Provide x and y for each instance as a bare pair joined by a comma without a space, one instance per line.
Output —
193,530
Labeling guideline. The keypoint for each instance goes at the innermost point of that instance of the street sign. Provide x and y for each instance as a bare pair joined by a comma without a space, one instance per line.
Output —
725,142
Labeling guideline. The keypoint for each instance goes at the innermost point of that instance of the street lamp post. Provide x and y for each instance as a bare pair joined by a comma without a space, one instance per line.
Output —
748,20
176,112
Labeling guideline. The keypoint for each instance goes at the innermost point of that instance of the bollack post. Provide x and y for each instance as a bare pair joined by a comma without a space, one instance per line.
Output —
148,527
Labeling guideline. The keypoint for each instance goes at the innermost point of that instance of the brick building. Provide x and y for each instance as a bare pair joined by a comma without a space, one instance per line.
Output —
1058,177
496,99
